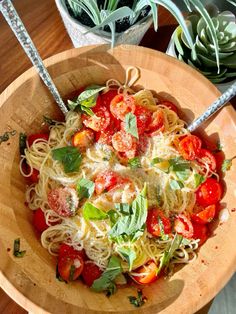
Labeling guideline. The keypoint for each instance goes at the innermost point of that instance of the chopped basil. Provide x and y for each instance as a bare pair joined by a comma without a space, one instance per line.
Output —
22,143
198,179
183,175
49,121
139,300
72,272
128,254
58,276
157,160
69,156
226,165
176,185
134,163
131,124
164,236
219,147
179,164
113,216
85,188
16,249
124,208
5,137
90,212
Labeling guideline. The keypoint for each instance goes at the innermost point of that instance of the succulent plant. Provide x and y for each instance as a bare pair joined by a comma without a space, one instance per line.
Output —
217,71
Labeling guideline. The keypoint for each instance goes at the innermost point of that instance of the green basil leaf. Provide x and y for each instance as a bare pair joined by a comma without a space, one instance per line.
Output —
124,208
183,175
49,121
69,156
139,300
72,272
22,143
134,163
16,249
131,124
198,179
72,104
113,216
157,160
106,281
226,165
90,91
128,254
176,185
88,111
90,212
162,230
85,188
179,164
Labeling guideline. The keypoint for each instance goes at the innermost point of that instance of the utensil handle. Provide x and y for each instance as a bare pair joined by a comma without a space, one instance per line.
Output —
216,105
23,37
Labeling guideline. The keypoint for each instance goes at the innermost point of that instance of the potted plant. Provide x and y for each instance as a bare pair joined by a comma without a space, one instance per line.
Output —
219,68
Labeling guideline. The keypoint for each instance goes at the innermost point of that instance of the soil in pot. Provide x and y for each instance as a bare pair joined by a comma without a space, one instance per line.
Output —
121,25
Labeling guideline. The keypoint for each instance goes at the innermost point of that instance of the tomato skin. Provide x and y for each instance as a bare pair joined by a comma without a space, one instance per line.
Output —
66,249
219,157
66,262
153,225
90,273
151,269
209,192
189,147
143,117
39,221
169,105
183,225
107,97
200,231
83,139
34,177
40,136
206,156
122,141
205,216
99,121
157,123
121,105
106,181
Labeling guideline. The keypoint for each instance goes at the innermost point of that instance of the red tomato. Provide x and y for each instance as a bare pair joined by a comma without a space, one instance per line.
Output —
157,123
206,157
99,121
64,201
205,216
219,157
189,147
107,97
70,267
66,249
149,271
200,232
33,137
153,225
39,221
90,273
142,144
121,105
83,139
34,177
143,117
108,180
169,105
122,141
105,137
209,192
183,225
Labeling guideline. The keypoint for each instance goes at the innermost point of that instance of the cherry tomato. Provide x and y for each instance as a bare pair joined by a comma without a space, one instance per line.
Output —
204,216
107,97
39,221
66,249
206,157
34,177
121,105
108,180
33,137
149,271
122,141
105,136
83,139
189,147
169,105
157,123
64,201
70,267
209,192
153,225
90,273
142,144
219,157
183,225
99,121
143,117
200,232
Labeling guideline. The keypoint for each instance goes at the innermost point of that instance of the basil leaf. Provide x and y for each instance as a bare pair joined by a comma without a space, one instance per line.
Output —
105,282
131,124
69,156
16,249
88,111
157,160
183,175
72,272
124,208
162,230
134,163
128,254
226,165
72,104
198,179
22,143
139,300
176,185
178,164
90,212
58,276
49,121
90,91
85,188
219,147
113,216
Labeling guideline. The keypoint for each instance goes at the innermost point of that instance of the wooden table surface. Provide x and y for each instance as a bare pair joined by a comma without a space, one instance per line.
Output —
45,27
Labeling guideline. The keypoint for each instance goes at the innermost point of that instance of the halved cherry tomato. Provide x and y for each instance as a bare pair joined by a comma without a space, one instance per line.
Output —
189,147
105,136
143,117
108,180
34,177
83,139
121,105
206,157
64,201
99,121
90,273
153,225
169,105
204,216
39,221
70,267
122,141
219,157
33,137
107,97
209,192
183,225
149,271
157,124
200,232
66,249
142,144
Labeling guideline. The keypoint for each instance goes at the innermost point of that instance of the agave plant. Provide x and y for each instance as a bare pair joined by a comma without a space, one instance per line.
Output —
225,30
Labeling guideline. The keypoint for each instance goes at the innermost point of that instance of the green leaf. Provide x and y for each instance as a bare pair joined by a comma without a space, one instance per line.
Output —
49,121
85,188
106,281
128,254
124,208
198,179
162,230
131,124
176,185
157,160
139,300
69,156
226,165
183,175
113,216
88,111
22,143
179,164
90,212
16,249
134,163
72,272
89,92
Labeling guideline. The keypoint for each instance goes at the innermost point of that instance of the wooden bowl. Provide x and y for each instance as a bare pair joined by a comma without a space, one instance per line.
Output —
30,280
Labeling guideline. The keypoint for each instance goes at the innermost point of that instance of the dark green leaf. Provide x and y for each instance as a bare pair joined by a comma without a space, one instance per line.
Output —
124,208
226,165
113,215
176,185
198,179
88,111
179,164
90,91
90,212
16,249
183,175
49,121
164,236
134,163
85,188
58,276
139,300
5,137
157,160
72,104
22,143
69,156
128,254
131,124
72,272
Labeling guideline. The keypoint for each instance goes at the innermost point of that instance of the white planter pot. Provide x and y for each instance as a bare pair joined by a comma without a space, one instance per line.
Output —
77,31
171,52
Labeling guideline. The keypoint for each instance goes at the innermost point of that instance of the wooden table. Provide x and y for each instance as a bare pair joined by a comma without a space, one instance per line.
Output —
45,26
